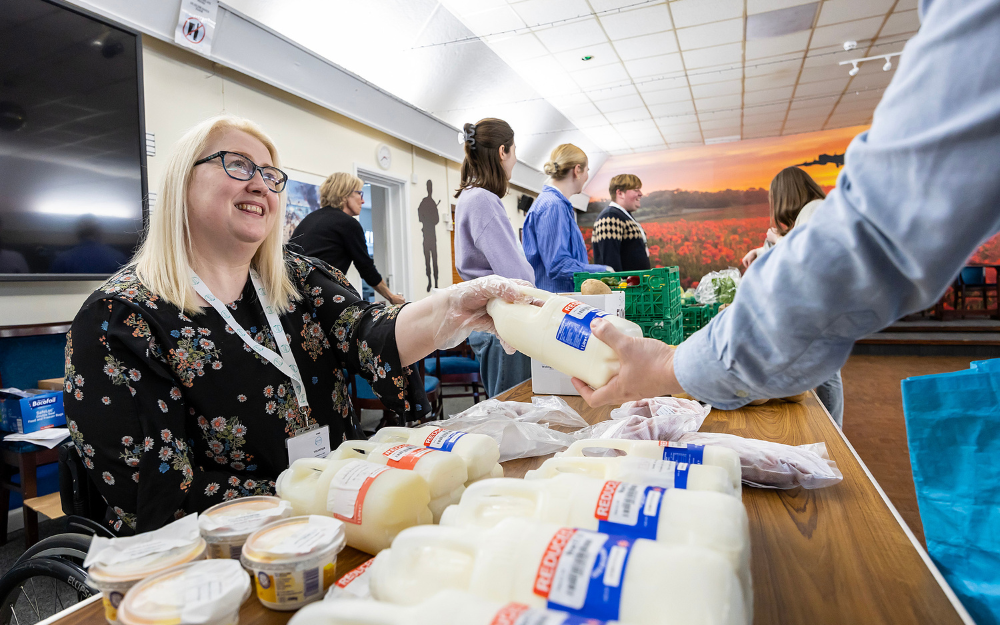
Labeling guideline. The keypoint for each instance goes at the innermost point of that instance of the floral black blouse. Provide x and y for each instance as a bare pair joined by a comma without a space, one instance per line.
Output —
173,414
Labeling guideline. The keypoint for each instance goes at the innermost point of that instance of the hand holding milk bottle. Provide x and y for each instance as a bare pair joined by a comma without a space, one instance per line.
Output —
558,334
585,573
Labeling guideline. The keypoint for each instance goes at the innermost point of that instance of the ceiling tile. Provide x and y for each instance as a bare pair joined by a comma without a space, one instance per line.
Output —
575,111
846,121
694,12
656,66
673,109
546,82
829,72
870,81
603,134
900,22
535,12
647,45
760,132
667,96
771,118
813,102
493,20
608,93
767,96
781,22
599,76
730,54
720,103
589,122
631,128
709,75
571,36
772,110
714,34
904,5
572,60
836,35
611,5
642,21
620,104
728,133
677,125
836,11
685,138
731,116
826,87
771,81
651,85
628,115
775,65
891,43
819,113
467,7
733,87
802,126
774,46
518,48
763,6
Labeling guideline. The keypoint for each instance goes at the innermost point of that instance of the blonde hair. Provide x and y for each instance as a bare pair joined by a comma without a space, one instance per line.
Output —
563,160
163,261
623,182
337,188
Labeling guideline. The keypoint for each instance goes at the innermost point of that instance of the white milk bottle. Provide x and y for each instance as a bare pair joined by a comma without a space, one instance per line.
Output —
374,501
585,573
674,516
558,334
646,471
664,450
479,451
448,607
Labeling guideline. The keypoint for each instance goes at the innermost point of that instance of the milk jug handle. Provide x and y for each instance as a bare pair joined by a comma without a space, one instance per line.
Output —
480,492
576,449
303,466
353,449
415,539
392,435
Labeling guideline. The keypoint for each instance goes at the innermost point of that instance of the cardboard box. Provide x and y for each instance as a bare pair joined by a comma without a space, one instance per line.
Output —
547,381
23,412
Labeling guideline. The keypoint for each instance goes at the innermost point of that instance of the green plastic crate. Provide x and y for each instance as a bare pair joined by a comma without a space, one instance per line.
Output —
655,298
669,331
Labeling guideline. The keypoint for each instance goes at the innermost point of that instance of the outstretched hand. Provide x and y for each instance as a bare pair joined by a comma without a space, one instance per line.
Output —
647,368
466,312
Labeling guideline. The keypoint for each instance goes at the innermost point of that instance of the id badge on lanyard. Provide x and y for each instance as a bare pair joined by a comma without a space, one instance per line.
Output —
309,443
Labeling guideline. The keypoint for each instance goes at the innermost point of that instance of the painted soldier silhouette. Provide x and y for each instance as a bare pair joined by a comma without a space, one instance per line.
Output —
427,213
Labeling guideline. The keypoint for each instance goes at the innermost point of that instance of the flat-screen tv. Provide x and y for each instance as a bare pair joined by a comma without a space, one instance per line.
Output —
72,143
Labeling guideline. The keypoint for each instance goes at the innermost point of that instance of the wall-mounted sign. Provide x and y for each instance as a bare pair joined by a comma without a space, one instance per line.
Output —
196,25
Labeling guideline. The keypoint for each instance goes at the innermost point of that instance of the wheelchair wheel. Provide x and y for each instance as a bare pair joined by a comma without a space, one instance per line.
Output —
40,587
72,547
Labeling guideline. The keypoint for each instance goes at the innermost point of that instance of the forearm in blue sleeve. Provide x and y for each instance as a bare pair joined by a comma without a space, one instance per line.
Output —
918,194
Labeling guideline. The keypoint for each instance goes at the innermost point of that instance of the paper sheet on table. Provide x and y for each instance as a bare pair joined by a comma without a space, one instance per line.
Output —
49,437
108,551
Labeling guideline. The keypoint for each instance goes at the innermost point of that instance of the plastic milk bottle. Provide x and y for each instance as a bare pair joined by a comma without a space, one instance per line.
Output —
444,473
374,501
681,517
558,334
662,473
588,574
663,450
462,609
479,451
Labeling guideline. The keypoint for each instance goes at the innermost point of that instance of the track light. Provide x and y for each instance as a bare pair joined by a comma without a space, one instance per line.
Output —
854,70
888,64
855,63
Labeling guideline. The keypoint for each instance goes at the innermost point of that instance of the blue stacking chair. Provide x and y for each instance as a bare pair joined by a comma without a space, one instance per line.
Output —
457,368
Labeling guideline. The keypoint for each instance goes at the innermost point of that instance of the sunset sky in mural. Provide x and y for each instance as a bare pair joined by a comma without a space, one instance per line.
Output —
737,165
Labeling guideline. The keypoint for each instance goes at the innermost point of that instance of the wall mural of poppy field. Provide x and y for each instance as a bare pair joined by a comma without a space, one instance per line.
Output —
704,207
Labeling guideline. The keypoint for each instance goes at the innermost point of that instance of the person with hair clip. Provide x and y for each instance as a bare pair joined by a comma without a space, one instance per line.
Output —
794,197
485,243
332,234
216,357
553,242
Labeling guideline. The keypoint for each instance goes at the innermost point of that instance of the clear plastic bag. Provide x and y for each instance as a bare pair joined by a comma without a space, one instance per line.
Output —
774,465
653,419
718,286
520,429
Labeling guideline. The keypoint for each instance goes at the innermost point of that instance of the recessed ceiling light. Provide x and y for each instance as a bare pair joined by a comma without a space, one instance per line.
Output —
587,57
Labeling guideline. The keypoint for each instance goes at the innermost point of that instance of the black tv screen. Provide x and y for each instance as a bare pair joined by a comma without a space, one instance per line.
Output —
72,143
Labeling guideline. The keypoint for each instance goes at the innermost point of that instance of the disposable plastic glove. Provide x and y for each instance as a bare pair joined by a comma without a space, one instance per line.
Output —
466,308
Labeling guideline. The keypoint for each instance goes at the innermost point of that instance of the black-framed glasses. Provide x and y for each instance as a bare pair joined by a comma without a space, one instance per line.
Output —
239,167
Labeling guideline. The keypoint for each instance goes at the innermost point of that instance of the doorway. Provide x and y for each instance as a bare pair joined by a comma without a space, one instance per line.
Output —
384,218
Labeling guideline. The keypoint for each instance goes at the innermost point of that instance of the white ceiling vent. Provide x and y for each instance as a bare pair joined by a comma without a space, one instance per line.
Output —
781,22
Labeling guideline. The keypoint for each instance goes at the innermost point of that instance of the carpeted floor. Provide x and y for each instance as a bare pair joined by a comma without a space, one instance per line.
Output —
873,421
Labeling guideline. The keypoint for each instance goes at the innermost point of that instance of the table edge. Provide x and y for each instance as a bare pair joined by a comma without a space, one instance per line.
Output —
58,616
935,573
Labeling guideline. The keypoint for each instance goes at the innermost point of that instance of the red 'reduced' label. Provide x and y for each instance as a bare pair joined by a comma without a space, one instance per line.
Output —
405,456
603,508
352,575
509,614
550,560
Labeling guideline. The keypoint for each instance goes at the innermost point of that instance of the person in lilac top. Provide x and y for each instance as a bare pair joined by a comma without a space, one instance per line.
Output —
485,243
553,242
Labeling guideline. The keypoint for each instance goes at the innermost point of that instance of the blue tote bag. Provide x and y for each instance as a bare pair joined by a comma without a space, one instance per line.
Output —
953,427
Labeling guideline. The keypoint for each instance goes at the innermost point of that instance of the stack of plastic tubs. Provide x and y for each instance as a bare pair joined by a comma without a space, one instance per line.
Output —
652,300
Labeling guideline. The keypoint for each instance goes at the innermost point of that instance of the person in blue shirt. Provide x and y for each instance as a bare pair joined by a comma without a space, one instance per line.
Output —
918,194
553,243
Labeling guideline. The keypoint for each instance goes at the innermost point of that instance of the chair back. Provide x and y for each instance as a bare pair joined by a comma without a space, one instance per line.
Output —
973,276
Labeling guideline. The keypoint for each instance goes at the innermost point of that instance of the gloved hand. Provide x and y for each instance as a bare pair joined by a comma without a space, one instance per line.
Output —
466,308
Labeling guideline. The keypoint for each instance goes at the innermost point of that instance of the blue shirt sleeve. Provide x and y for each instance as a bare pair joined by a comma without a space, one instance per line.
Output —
553,231
917,195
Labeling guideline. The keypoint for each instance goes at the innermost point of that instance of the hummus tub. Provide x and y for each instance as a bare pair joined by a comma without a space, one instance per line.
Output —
226,526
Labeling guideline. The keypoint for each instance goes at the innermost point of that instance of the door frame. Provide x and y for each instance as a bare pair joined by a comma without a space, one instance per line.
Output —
397,226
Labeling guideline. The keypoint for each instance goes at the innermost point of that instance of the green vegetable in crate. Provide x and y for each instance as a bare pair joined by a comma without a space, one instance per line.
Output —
718,287
611,282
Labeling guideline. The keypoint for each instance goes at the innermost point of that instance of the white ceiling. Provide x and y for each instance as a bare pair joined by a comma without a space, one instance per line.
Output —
663,73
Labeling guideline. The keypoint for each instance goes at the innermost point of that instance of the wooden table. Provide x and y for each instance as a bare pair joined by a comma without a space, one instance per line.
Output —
22,458
839,555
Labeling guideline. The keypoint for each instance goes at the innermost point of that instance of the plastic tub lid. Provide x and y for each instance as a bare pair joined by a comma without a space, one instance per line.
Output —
134,557
200,592
295,539
241,517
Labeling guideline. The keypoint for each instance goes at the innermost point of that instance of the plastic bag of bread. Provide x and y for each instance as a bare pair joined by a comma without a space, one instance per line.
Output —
773,465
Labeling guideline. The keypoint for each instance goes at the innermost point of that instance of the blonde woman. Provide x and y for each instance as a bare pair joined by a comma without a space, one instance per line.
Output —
332,233
553,242
176,395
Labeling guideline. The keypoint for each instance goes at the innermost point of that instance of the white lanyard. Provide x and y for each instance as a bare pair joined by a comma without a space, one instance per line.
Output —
286,361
